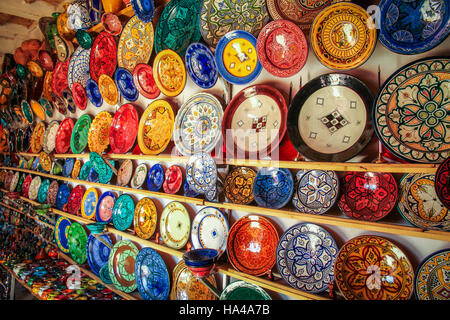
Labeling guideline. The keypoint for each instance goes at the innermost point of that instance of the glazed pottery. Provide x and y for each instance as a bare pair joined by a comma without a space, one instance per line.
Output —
77,240
63,135
37,138
201,172
93,93
113,6
241,290
430,281
108,89
38,109
169,72
273,187
201,65
79,96
75,199
80,132
123,212
121,265
79,67
144,81
152,276
239,185
139,176
124,129
89,204
83,39
145,218
155,178
59,79
68,167
61,234
33,189
97,252
43,190
442,182
62,197
105,205
175,225
27,111
103,58
70,103
124,173
102,170
98,137
52,192
111,23
173,180
50,136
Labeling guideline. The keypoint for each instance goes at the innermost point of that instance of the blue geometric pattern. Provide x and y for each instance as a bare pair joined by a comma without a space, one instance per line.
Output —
273,187
97,252
144,9
201,173
79,67
152,277
201,65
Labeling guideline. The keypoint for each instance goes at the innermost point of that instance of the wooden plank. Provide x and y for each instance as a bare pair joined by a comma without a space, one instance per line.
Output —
32,11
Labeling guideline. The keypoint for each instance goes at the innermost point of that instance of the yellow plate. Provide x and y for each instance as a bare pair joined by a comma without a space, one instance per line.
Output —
155,127
169,73
35,69
37,109
76,169
145,218
47,86
37,137
98,137
341,38
83,213
108,89
45,161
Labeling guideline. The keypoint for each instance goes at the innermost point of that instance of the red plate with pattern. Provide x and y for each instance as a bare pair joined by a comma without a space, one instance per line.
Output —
282,48
59,77
103,58
63,135
26,185
124,128
174,179
74,203
79,96
251,246
52,192
144,81
442,182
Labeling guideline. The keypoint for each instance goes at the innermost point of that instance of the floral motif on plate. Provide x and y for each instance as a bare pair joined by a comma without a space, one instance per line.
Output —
431,280
239,185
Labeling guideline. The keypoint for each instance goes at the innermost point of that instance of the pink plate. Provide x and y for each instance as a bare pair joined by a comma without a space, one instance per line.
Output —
174,179
59,77
124,128
79,96
105,209
63,135
144,81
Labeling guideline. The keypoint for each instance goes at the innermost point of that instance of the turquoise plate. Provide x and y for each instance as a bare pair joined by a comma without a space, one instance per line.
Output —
43,189
123,212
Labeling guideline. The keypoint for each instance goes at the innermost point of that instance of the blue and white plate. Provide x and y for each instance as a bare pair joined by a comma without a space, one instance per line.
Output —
152,276
68,167
123,212
201,172
78,70
97,252
273,187
305,257
144,9
99,205
125,84
93,93
155,178
201,65
62,197
61,231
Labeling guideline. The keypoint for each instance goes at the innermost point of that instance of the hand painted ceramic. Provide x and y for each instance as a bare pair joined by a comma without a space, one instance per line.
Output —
315,191
59,80
77,240
50,136
62,197
83,39
89,204
48,107
145,218
237,58
201,261
175,225
52,192
123,212
169,72
68,167
121,265
80,132
210,230
76,169
97,252
43,190
47,86
63,135
75,200
105,205
144,81
383,270
61,234
254,122
145,10
273,187
108,89
430,279
84,172
178,26
343,36
217,17
34,188
14,181
98,137
174,179
239,185
103,58
329,118
27,111
155,127
60,103
93,93
246,234
125,84
79,96
35,68
201,172
102,169
282,48
46,60
69,101
152,276
419,204
135,44
413,28
155,178
139,176
442,183
38,110
410,112
79,67
241,290
37,138
26,139
124,129
111,23
186,286
124,173
201,65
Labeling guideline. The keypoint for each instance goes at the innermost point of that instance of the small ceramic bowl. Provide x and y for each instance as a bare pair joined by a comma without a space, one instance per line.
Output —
111,23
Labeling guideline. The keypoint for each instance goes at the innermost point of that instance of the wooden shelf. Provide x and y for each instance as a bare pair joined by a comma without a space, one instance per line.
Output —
34,218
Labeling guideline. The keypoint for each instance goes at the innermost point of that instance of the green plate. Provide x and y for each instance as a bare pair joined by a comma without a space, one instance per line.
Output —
27,112
84,172
121,265
43,189
20,183
241,290
77,239
104,171
79,138
123,212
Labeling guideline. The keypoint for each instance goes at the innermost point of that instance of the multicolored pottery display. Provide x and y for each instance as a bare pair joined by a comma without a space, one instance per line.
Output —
121,265
145,218
102,170
37,108
33,189
430,282
124,129
169,72
76,169
442,182
79,67
175,225
59,80
62,197
68,167
93,93
201,65
52,192
43,190
27,111
273,187
152,276
241,290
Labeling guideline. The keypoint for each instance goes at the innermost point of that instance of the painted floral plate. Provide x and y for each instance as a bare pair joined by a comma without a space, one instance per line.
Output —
77,240
145,82
59,80
173,180
48,107
61,234
273,187
175,225
79,96
442,183
103,59
123,212
201,65
33,189
80,132
155,178
108,89
239,185
105,205
145,218
152,276
89,204
201,172
63,136
121,264
75,200
125,84
124,129
98,137
169,72
97,253
37,137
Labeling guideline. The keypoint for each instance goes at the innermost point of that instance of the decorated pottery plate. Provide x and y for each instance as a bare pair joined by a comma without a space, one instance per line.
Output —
241,290
105,205
69,101
124,129
47,106
76,169
139,176
343,36
103,58
169,72
305,257
282,48
37,108
37,138
201,172
59,80
330,118
237,58
246,234
155,127
84,172
68,167
79,96
75,200
175,225
401,33
379,264
27,111
93,93
145,10
419,205
210,230
35,69
77,240
145,218
411,112
34,188
124,173
108,89
239,185
174,179
125,84
123,212
43,190
121,264
201,65
52,192
315,191
430,282
50,136
273,187
98,137
152,276
97,252
89,204
135,44
217,17
63,135
101,168
155,178
254,122
185,15
79,67
60,103
14,181
61,234
198,124
80,132
62,197
442,183
145,82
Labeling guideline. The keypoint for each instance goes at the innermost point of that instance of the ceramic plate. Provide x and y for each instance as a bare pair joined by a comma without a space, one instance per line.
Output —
103,58
103,171
61,234
144,81
124,173
273,187
89,204
135,44
217,17
14,181
343,36
201,65
144,9
174,179
48,107
93,93
80,132
77,240
169,72
123,212
305,257
178,26
251,232
442,183
124,129
68,167
175,225
125,84
140,173
155,127
98,137
63,135
152,276
330,118
145,218
201,172
79,67
50,136
237,58
411,113
59,78
121,265
62,197
27,111
155,178
84,172
34,188
75,200
79,96
108,89
70,102
97,253
76,169
412,28
315,191
241,290
37,138
60,103
254,122
43,190
282,48
210,230
198,124
105,205
38,110
383,271
52,192
239,185
430,280
419,205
